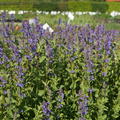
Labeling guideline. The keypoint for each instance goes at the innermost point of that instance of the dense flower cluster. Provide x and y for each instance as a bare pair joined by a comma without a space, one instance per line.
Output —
74,69
46,110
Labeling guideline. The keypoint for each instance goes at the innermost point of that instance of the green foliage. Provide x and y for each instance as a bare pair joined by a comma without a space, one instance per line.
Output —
63,6
113,6
43,6
79,6
93,6
16,7
101,7
58,73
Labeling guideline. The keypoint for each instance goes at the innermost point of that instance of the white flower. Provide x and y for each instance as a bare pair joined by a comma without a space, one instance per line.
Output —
92,13
31,21
51,30
25,11
62,13
53,13
70,16
112,14
47,27
11,12
45,12
115,13
38,12
78,13
20,12
58,12
1,10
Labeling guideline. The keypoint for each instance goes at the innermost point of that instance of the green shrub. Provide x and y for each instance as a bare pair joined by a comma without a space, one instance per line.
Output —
61,6
79,6
93,6
45,6
113,6
101,7
16,7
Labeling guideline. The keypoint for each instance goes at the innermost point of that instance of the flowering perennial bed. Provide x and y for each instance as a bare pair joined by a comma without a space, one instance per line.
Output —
72,73
20,12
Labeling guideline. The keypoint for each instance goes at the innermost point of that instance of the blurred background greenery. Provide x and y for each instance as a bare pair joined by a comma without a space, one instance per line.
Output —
66,5
60,5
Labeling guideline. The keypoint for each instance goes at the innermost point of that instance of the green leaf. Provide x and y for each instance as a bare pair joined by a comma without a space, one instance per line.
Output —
41,92
42,59
2,99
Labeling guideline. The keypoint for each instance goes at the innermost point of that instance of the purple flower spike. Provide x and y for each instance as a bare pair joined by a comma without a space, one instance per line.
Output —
45,108
49,51
72,71
20,85
61,98
5,92
106,60
2,82
90,91
60,21
104,73
83,105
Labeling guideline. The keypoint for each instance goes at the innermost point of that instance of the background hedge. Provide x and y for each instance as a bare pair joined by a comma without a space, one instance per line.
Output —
62,6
